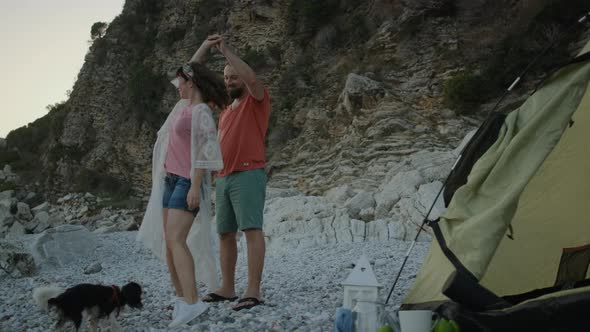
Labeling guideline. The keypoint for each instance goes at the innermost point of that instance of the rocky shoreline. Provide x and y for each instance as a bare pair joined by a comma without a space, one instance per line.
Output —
301,288
312,242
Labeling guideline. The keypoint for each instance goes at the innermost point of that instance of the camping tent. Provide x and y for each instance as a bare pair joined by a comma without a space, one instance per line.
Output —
515,238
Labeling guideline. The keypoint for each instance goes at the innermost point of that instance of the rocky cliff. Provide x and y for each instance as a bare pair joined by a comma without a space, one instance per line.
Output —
358,87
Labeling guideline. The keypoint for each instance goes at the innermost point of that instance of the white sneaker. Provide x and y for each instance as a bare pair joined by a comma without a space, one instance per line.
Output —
176,300
187,312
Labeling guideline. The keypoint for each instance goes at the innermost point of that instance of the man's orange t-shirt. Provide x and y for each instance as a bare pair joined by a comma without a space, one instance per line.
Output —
242,133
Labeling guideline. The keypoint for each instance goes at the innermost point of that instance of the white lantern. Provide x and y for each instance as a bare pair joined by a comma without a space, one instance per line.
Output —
361,284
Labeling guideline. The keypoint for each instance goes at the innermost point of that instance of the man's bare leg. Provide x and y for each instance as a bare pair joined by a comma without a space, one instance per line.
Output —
228,257
256,251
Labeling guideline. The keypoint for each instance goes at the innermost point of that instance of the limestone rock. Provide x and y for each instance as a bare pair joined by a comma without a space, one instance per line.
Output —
16,230
56,220
129,225
40,208
93,268
41,222
358,229
65,198
33,199
425,197
16,260
396,230
367,214
339,195
106,229
6,218
360,92
82,211
23,212
280,192
7,194
377,230
64,244
360,201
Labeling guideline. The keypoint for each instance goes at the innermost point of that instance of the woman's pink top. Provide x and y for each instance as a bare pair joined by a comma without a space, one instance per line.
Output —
178,156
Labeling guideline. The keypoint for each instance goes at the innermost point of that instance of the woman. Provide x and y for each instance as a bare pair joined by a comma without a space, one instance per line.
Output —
185,153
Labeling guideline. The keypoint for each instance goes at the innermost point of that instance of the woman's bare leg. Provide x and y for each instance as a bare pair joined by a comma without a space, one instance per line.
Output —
178,225
170,262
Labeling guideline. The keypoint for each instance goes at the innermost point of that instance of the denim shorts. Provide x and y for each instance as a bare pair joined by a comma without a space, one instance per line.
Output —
175,191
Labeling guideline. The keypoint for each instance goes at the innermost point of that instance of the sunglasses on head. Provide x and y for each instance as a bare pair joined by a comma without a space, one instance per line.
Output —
185,72
188,71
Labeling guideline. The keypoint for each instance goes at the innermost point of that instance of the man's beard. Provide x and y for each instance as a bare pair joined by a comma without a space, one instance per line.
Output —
236,92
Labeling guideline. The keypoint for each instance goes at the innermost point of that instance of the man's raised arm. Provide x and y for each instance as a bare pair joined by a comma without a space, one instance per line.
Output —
246,74
200,55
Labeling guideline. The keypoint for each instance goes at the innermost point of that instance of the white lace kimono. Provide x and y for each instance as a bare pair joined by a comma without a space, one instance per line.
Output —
205,154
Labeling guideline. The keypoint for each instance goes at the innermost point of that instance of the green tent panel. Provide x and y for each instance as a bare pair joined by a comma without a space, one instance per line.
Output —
534,178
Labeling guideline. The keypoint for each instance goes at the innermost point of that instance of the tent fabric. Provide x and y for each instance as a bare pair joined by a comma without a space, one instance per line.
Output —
564,311
550,291
481,141
535,178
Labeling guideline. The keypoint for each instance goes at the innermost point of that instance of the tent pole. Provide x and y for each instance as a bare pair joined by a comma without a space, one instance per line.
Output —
420,230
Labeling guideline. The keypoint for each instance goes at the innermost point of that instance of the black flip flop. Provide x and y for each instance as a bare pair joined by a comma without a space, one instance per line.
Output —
254,301
219,298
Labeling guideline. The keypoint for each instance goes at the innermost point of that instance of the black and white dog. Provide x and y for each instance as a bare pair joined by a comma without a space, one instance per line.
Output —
97,301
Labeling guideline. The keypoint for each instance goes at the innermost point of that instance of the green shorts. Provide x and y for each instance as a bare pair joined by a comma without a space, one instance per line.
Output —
240,201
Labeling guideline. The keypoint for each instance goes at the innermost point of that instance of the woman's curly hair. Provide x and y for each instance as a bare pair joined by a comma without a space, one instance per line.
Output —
209,83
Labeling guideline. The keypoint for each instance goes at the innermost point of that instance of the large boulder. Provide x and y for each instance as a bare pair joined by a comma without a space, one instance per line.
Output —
16,230
33,199
339,195
280,192
361,201
40,208
302,221
56,220
16,260
7,194
426,197
377,230
396,230
6,218
23,212
64,244
360,92
106,229
402,184
8,203
40,221
65,198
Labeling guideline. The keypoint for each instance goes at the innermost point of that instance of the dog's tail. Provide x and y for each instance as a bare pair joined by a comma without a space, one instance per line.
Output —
44,295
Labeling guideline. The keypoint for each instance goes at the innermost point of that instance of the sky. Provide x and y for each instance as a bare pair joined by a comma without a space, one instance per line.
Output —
42,48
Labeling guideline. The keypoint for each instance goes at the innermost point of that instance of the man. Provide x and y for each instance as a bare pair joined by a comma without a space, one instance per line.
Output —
241,185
